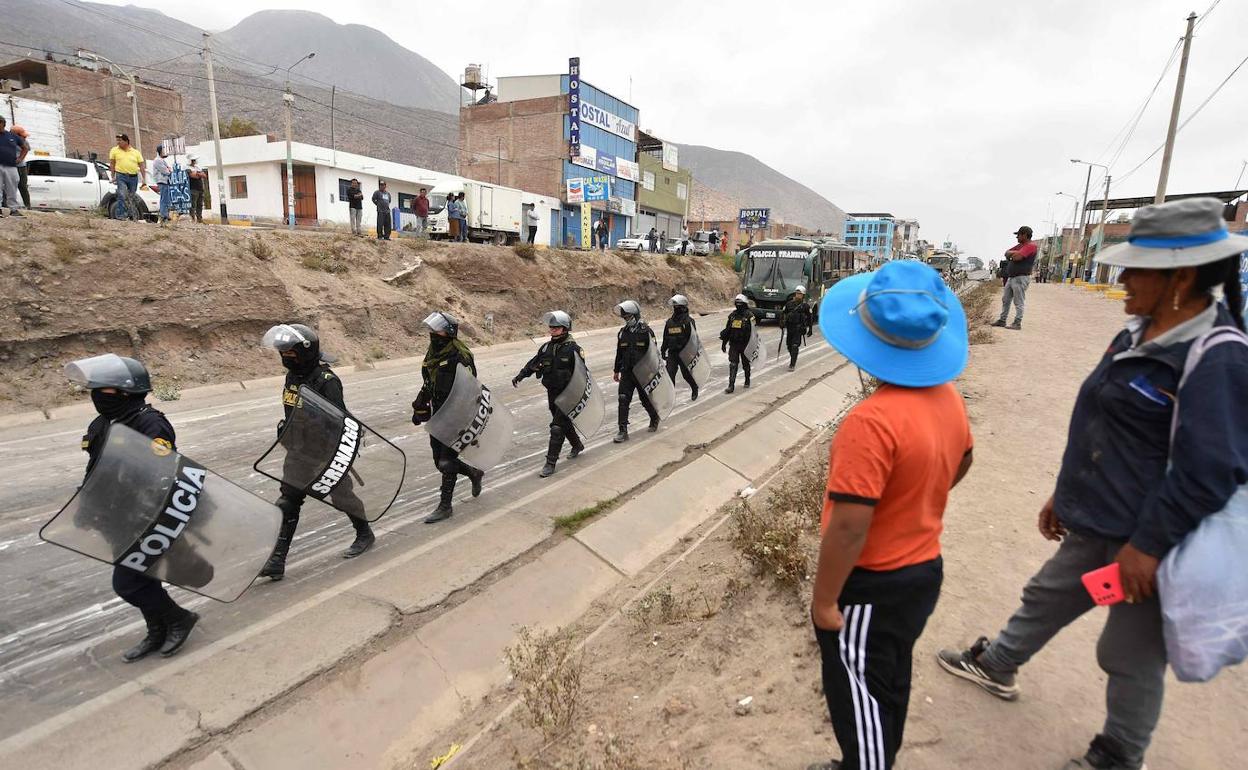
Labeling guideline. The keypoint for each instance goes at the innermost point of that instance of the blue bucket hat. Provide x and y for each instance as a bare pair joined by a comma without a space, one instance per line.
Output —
901,324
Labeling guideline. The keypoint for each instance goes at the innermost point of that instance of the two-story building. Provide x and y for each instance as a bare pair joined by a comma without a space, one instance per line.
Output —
663,199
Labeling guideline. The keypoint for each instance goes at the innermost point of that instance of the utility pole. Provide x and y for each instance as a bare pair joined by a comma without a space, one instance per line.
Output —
1174,114
216,129
1083,217
333,146
289,100
1242,166
1100,244
500,161
134,112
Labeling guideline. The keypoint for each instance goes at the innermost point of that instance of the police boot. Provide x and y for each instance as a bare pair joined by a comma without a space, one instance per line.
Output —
654,424
364,539
443,511
475,477
732,378
578,446
693,393
180,622
275,567
622,436
151,643
792,359
548,469
746,368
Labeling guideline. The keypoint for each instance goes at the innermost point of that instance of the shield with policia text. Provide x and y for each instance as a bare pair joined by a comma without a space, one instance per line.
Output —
654,382
148,508
693,356
473,422
755,351
332,456
581,401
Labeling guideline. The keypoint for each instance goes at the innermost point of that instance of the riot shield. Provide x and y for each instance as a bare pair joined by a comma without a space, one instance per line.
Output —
155,511
654,382
326,453
693,356
582,401
755,350
473,422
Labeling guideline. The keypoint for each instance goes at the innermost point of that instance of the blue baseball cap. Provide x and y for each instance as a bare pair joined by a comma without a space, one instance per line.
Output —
900,324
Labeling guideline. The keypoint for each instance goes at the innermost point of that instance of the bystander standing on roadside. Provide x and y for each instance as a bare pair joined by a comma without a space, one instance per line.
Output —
684,241
663,242
355,207
422,213
1145,463
461,211
893,461
381,199
1017,266
604,234
534,219
196,177
23,188
162,171
652,238
13,149
713,240
127,167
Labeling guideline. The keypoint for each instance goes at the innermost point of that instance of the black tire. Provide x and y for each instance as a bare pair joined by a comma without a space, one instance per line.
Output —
141,210
106,204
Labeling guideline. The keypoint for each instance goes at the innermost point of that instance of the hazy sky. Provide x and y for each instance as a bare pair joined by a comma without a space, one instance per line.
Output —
960,113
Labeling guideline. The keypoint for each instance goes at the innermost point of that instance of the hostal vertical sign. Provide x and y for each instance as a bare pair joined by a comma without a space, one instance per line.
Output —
574,107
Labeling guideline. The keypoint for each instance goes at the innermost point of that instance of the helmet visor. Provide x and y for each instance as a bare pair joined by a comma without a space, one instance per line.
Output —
104,371
441,322
285,337
557,318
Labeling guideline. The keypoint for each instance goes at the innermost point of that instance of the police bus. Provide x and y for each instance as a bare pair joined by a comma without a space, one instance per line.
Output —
772,269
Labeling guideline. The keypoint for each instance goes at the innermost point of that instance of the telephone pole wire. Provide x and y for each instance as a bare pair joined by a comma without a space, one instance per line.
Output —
216,129
1174,114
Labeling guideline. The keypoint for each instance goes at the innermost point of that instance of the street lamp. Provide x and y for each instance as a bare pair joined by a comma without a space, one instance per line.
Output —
134,92
289,99
1074,216
1083,219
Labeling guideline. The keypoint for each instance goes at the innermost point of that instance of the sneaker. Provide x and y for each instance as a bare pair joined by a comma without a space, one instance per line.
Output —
1102,754
965,664
999,322
15,213
1016,325
621,437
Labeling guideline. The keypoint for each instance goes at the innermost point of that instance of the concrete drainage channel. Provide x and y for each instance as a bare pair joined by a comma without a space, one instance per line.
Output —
364,676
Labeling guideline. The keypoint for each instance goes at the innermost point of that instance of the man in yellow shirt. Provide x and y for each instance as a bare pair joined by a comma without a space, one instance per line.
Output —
128,169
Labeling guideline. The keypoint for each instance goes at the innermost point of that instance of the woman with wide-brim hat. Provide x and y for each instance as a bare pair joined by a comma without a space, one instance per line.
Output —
893,461
1127,491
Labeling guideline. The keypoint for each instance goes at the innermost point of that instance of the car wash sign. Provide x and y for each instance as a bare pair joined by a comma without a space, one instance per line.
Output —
574,107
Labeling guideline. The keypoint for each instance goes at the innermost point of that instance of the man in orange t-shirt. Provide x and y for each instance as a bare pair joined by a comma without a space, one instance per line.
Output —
893,461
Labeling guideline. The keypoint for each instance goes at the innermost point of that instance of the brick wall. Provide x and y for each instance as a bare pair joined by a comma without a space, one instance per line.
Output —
530,134
95,108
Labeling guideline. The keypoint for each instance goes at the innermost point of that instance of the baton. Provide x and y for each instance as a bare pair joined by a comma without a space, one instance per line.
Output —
780,344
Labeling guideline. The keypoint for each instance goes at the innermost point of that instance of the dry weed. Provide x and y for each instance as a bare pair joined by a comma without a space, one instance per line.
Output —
770,539
259,249
167,391
64,248
329,263
802,491
673,260
657,608
547,667
525,251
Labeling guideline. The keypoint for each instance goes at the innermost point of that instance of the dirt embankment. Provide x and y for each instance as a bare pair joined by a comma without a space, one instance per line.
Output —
193,301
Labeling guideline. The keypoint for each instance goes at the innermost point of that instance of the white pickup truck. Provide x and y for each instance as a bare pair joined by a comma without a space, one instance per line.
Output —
77,185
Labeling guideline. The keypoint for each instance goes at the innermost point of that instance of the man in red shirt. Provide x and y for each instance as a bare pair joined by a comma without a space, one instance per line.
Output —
1019,262
422,213
893,461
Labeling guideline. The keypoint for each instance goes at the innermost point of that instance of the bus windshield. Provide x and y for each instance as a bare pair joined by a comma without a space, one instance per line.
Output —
782,270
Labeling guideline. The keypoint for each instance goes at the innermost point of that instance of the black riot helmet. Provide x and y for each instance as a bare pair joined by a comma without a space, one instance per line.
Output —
441,322
299,346
558,319
109,371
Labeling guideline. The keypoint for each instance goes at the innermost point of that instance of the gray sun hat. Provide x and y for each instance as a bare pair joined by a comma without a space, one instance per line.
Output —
1182,233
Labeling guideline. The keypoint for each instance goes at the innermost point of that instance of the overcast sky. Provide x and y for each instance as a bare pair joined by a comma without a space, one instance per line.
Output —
963,114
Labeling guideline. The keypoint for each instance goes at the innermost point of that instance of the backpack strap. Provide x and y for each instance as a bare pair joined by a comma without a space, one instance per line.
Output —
1215,336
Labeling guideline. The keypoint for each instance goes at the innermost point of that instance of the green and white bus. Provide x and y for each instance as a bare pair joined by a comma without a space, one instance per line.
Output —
772,269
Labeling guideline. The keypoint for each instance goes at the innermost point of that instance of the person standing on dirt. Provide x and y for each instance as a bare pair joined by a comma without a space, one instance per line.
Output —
677,332
894,459
119,388
381,199
735,337
195,178
128,169
1152,450
355,207
652,238
23,180
461,214
1018,264
633,343
299,348
713,240
162,173
798,323
443,358
534,219
422,213
604,234
13,149
554,364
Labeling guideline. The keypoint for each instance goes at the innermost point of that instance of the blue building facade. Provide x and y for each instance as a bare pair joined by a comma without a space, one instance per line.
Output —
872,233
608,147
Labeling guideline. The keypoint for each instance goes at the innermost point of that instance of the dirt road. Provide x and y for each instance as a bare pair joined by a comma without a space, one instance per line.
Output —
664,692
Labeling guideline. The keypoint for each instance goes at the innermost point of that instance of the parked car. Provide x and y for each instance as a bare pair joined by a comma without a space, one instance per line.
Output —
633,243
78,185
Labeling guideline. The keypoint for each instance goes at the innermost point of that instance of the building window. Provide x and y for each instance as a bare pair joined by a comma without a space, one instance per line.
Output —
344,185
238,187
407,202
647,180
682,191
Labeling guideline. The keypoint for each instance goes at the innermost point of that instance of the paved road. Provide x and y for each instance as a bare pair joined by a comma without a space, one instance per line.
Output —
62,628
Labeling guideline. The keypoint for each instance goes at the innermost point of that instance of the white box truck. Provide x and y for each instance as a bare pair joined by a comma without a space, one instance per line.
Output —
42,120
494,212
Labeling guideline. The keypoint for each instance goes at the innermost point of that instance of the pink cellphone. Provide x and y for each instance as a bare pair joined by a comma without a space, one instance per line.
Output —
1105,584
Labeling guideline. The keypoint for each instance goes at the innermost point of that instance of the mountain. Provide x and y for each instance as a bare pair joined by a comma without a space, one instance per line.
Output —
747,179
355,57
113,31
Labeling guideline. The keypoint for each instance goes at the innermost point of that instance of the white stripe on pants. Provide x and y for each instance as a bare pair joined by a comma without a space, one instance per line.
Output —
853,639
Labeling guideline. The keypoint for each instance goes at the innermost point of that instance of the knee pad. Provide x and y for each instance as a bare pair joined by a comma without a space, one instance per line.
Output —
289,507
556,432
447,466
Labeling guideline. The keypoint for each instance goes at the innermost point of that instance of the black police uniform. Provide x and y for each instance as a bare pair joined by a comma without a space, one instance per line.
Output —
321,380
159,609
633,345
676,334
734,338
554,364
438,372
798,322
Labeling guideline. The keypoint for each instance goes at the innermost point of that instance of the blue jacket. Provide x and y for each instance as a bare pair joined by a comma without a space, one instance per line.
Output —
1119,479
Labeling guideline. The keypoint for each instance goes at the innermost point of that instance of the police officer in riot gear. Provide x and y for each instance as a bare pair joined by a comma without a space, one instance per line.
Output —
735,337
680,327
300,351
119,388
554,364
798,322
443,358
635,339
